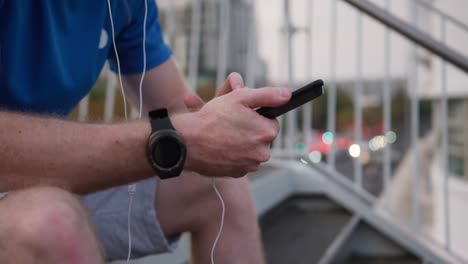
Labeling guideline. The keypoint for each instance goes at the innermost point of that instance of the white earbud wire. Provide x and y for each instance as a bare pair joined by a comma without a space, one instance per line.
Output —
117,59
223,211
132,187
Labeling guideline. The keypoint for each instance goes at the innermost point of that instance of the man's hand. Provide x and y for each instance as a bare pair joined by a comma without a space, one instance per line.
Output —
227,136
233,82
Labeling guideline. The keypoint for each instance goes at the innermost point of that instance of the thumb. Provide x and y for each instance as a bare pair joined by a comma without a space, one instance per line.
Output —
193,102
233,82
268,96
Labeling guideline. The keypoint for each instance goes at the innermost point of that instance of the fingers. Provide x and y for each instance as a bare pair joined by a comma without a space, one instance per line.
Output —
270,130
193,102
268,96
233,82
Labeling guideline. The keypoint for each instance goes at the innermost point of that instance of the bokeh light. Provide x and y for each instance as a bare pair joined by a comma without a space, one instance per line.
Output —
391,137
327,138
315,156
354,150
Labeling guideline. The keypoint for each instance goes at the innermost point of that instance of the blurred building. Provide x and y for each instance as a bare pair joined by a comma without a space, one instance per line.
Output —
456,83
176,18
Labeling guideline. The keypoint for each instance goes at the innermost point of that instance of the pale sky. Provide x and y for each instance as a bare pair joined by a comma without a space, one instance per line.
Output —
270,18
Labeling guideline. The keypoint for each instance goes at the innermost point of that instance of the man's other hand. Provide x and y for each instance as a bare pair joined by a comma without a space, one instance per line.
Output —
234,81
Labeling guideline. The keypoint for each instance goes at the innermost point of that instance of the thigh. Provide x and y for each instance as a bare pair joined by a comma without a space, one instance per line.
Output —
109,213
187,202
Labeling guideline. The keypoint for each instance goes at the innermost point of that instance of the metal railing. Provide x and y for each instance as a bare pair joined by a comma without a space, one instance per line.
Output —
448,55
284,146
412,32
419,39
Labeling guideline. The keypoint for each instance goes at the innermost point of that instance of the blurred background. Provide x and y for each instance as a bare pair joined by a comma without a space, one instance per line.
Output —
374,171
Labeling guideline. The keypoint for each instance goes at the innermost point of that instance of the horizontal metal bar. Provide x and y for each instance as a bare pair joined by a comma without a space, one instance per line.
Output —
412,33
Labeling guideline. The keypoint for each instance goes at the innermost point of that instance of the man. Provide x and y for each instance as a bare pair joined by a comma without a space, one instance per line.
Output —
51,53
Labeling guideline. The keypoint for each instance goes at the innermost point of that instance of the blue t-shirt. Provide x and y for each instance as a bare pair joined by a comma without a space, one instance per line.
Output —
51,52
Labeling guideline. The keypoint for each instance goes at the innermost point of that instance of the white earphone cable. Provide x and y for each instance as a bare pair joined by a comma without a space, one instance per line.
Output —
117,59
223,211
132,187
129,223
144,61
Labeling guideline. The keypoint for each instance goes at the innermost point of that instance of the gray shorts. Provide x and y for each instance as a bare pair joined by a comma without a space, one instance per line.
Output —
109,213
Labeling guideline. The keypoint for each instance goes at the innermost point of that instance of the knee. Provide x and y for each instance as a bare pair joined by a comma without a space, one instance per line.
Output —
193,197
47,220
237,197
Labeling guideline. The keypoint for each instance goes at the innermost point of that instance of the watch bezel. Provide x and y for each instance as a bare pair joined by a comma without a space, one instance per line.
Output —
176,169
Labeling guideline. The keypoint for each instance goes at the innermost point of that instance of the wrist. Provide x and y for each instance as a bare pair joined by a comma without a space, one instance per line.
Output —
139,134
166,147
186,126
123,148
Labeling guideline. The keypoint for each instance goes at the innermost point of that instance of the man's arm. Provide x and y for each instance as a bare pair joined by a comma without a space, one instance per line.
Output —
40,150
83,158
226,137
163,86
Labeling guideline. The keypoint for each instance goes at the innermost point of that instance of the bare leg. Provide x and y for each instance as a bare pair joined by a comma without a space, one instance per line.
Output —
46,225
189,203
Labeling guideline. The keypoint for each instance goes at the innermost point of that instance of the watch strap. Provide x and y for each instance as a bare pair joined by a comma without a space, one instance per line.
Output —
160,120
166,148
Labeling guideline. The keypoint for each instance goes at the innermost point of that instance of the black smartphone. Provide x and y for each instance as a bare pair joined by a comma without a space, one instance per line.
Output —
299,97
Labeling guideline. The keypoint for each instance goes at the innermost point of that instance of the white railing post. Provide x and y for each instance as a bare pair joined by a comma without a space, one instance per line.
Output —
170,26
387,115
278,144
109,103
223,43
444,142
291,116
358,85
331,104
194,44
83,109
251,48
307,108
413,89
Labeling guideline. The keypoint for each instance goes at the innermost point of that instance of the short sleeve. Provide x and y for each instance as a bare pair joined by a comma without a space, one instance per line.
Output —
130,42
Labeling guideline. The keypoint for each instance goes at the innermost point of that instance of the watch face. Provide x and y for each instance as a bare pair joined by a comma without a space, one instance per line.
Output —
167,151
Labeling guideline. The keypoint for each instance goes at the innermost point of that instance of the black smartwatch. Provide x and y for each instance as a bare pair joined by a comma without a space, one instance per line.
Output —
166,148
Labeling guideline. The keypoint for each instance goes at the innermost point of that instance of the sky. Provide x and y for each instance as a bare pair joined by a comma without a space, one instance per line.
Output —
270,18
